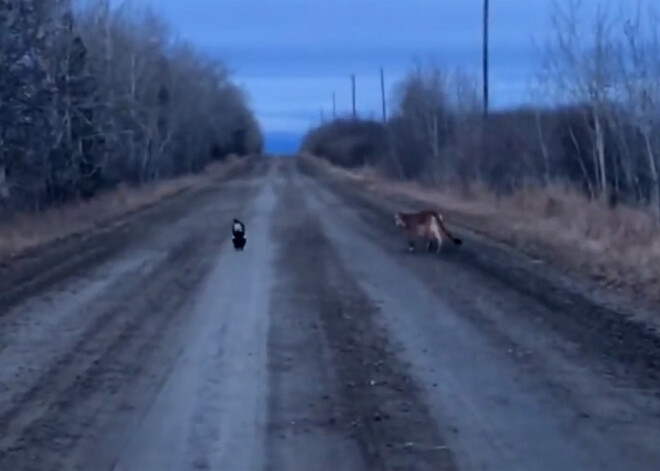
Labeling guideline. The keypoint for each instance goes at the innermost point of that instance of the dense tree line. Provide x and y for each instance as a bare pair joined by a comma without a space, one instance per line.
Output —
92,95
602,134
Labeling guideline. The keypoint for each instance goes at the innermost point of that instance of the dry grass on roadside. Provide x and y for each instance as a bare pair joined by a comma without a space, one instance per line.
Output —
21,231
618,246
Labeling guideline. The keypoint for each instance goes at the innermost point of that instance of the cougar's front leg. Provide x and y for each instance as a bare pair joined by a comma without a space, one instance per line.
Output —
439,246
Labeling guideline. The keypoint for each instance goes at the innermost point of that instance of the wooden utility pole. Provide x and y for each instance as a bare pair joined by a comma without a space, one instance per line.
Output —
485,56
334,106
353,95
382,94
322,115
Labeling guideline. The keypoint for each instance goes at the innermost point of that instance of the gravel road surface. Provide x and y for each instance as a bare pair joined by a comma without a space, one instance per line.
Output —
323,346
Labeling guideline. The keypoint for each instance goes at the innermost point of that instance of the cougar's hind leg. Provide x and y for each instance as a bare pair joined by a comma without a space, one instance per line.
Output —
411,245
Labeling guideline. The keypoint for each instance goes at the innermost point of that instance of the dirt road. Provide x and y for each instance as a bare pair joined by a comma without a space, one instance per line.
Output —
323,346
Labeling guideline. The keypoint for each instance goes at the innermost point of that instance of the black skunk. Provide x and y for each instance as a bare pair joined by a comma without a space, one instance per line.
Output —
238,234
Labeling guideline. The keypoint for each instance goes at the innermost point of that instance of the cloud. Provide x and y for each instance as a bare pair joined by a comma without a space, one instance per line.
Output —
291,55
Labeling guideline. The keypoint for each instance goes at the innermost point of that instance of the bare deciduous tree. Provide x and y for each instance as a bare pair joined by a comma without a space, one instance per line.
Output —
100,94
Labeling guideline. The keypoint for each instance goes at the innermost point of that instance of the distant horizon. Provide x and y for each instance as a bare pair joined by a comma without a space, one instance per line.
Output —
288,141
282,142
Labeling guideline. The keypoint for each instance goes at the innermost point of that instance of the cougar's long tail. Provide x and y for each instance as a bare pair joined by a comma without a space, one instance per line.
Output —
445,231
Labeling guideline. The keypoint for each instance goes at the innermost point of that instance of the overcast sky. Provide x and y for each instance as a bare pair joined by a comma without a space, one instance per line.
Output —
292,54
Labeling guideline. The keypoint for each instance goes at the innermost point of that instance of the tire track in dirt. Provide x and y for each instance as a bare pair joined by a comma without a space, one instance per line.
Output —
42,267
210,411
49,420
116,365
577,406
379,406
611,337
306,420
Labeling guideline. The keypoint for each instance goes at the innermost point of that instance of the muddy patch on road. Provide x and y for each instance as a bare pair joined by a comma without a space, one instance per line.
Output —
367,396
